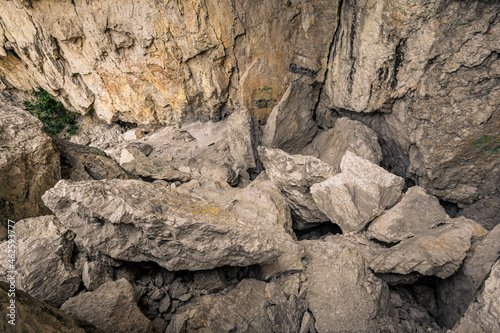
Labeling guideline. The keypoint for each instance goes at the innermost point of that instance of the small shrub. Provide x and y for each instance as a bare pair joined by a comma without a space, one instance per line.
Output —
51,113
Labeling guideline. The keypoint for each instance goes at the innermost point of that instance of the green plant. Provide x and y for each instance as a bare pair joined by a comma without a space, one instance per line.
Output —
50,112
490,144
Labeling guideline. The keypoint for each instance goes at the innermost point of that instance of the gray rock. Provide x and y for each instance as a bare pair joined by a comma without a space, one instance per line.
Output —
290,125
417,211
44,250
331,145
439,251
342,293
143,147
110,307
29,163
243,136
136,162
159,223
212,281
164,304
94,274
253,306
456,293
307,325
34,316
294,175
358,194
484,313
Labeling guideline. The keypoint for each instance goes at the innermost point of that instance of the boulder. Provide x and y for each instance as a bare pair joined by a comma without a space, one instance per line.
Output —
439,251
290,125
417,211
95,273
294,175
35,316
29,163
44,249
457,292
111,308
483,314
138,221
243,136
136,162
343,295
358,194
253,306
331,145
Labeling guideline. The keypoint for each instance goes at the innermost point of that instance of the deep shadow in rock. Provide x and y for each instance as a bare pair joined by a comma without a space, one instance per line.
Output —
318,231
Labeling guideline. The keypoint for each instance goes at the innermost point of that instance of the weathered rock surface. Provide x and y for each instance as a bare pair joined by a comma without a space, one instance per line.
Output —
343,295
160,62
44,250
29,164
412,60
358,194
34,316
253,306
290,126
95,273
483,314
86,163
137,221
331,145
439,251
294,175
243,136
456,293
111,308
136,162
417,211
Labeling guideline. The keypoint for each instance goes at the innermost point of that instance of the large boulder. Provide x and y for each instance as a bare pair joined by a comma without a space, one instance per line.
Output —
331,145
343,294
31,315
439,251
484,313
457,292
253,306
29,163
137,221
243,136
44,250
417,211
111,308
294,175
358,194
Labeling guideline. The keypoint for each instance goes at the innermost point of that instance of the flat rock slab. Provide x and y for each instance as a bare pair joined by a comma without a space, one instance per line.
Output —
358,194
416,212
111,308
438,251
138,221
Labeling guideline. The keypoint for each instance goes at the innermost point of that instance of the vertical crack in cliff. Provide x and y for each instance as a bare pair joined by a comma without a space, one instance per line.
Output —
332,51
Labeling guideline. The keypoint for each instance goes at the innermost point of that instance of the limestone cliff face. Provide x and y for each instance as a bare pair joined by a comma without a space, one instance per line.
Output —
164,61
423,74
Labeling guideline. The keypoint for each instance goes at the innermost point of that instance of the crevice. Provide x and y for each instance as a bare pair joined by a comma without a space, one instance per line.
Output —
318,231
451,208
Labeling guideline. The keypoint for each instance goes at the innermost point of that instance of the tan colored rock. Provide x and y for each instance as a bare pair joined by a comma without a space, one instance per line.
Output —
358,194
243,136
159,224
111,308
29,163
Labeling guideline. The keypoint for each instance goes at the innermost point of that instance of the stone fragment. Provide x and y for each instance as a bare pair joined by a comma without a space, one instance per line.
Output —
144,147
29,163
212,281
457,292
44,250
342,293
110,307
136,162
331,145
290,125
243,135
159,223
358,194
164,304
94,274
250,307
439,251
417,211
32,315
484,313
